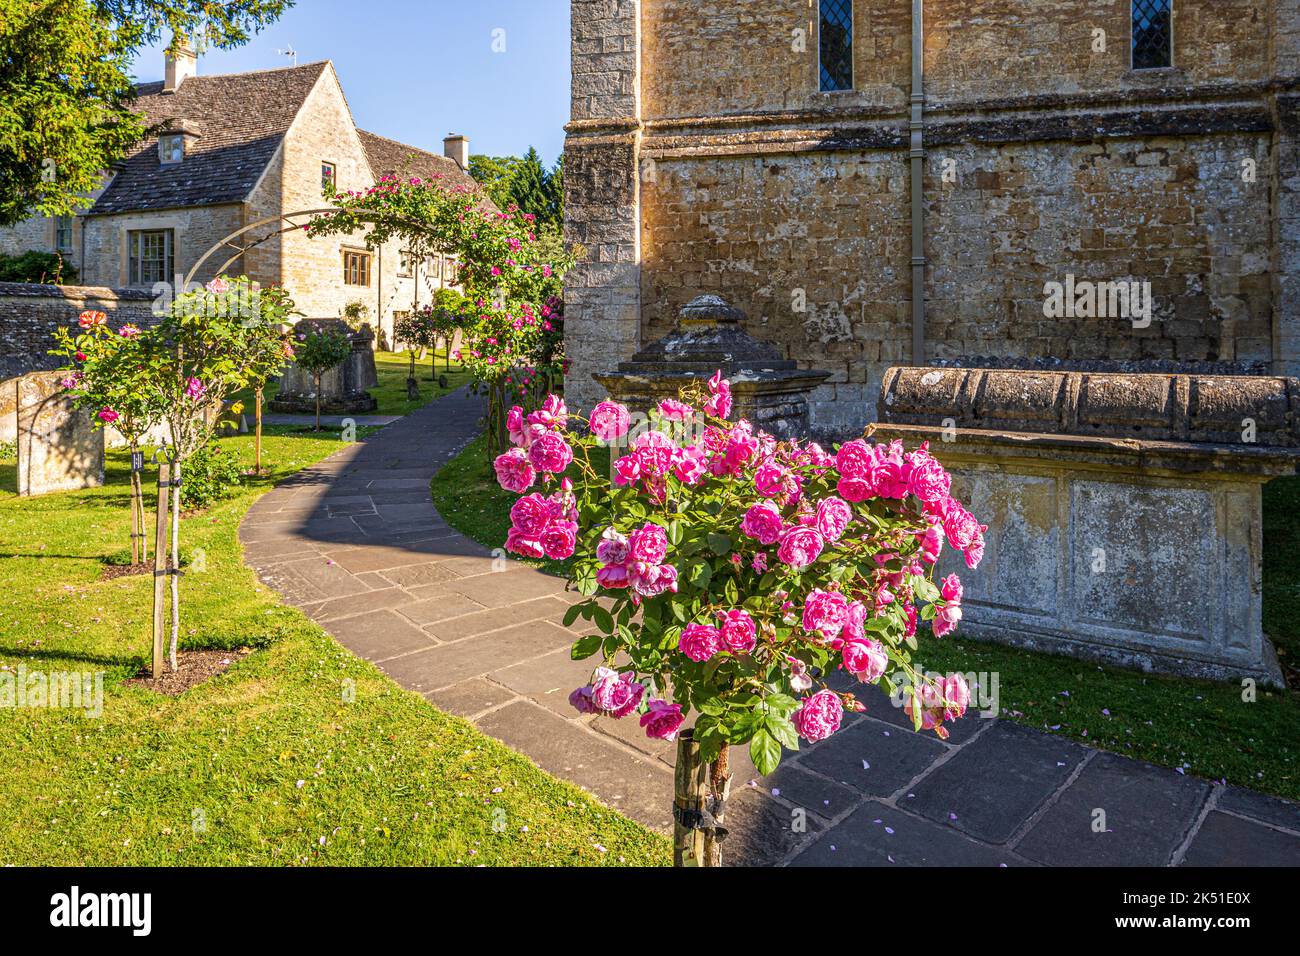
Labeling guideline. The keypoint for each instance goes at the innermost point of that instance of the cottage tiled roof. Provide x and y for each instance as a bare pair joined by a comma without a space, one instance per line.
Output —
241,119
389,157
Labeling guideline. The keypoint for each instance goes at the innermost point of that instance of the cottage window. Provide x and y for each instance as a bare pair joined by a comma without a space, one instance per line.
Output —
328,177
835,44
356,268
151,256
405,264
63,233
171,148
1153,34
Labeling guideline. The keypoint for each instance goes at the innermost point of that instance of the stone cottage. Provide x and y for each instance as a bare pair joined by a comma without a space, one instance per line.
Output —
899,182
227,151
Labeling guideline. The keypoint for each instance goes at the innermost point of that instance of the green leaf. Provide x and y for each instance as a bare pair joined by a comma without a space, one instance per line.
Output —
584,647
731,591
719,544
571,614
603,619
783,731
765,752
701,574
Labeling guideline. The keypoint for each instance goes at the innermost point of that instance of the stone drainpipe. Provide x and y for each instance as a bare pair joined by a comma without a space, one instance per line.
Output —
917,156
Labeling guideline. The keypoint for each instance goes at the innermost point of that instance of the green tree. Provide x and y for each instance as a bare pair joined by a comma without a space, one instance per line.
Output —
66,93
494,174
319,351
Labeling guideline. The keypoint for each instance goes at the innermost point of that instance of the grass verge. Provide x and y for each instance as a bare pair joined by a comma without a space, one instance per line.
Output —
1199,727
391,369
298,754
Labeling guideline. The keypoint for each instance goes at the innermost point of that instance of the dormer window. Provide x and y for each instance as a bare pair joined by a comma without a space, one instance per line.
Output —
171,148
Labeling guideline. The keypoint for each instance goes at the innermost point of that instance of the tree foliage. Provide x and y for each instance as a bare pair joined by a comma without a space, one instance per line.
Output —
66,93
523,182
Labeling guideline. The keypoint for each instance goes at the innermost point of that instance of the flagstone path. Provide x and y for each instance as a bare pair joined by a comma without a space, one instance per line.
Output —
356,543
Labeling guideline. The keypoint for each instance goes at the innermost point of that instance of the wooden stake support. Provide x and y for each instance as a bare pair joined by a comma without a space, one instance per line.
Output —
160,574
690,791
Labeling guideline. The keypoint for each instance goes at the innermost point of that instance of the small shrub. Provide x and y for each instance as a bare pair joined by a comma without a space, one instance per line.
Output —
210,474
36,266
8,450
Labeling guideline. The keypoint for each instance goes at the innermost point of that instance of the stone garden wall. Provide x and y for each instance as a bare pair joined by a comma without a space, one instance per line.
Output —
30,313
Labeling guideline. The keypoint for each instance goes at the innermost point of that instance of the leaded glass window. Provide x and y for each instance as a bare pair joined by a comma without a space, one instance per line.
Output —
835,43
1153,34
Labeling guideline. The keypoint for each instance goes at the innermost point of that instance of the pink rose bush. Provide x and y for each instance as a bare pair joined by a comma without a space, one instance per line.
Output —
730,574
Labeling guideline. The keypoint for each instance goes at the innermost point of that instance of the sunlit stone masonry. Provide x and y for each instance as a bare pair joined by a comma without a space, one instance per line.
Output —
764,151
1124,510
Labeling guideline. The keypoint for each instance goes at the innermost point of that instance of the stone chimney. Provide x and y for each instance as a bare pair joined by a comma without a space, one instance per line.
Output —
181,65
455,146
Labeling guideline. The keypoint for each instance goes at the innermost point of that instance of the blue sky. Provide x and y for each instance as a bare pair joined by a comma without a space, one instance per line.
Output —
416,70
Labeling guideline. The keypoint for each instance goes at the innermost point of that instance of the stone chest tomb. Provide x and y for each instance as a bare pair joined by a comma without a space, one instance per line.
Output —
1124,510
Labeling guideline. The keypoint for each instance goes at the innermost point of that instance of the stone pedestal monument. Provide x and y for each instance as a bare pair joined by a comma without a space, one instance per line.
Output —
770,391
59,447
343,388
1124,510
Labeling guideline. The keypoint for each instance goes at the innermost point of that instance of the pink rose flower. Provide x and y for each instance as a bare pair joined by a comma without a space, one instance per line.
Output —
800,681
927,479
91,318
956,694
218,286
866,660
627,470
609,421
550,452
515,427
194,389
108,416
931,543
581,701
691,465
614,694
824,613
763,523
531,515
560,540
946,619
655,454
818,716
650,580
517,542
699,642
552,415
759,563
128,331
649,543
674,411
613,548
719,403
738,632
951,589
662,720
514,472
855,459
833,517
612,576
800,546
769,479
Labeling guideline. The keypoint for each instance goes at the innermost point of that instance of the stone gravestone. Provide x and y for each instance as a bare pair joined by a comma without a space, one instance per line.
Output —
59,447
343,388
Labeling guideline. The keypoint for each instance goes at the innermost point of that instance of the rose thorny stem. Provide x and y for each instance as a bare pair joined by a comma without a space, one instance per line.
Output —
174,564
719,788
316,381
257,439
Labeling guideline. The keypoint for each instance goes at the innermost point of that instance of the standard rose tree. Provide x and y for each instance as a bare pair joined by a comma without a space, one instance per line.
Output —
736,573
108,375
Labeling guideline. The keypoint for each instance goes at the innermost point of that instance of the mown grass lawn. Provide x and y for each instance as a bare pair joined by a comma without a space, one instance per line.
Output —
301,753
392,368
1199,727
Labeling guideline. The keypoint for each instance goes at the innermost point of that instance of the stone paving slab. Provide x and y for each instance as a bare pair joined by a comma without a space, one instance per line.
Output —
1117,812
993,785
356,543
1226,840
